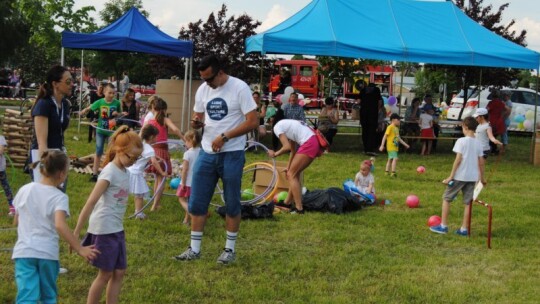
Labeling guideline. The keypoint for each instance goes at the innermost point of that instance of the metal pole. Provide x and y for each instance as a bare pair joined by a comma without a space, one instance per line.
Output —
62,57
533,140
261,74
80,91
185,113
190,108
400,88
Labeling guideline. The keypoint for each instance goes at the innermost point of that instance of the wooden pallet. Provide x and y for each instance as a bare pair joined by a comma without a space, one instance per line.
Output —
17,129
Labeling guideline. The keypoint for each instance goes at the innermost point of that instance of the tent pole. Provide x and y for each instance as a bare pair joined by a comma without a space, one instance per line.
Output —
190,83
533,139
62,56
184,95
400,88
261,74
80,92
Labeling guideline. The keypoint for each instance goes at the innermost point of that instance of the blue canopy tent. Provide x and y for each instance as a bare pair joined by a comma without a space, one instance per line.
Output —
133,33
401,30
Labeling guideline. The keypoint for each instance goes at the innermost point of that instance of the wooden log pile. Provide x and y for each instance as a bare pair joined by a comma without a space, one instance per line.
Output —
18,128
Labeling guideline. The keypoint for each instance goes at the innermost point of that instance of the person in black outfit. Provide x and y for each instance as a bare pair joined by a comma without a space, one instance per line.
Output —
369,103
273,121
130,110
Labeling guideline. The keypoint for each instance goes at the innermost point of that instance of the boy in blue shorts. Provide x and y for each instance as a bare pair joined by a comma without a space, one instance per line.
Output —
468,168
392,139
108,108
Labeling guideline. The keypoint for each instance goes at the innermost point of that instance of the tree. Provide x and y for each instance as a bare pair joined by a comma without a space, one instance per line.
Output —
225,37
490,19
114,9
13,29
43,19
111,63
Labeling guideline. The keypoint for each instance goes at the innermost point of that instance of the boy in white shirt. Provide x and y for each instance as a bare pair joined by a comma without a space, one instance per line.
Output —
468,168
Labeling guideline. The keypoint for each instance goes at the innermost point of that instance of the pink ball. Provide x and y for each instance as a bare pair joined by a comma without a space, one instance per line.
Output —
421,169
412,201
434,220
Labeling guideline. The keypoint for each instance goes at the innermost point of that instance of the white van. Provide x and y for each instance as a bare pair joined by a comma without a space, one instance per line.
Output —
523,100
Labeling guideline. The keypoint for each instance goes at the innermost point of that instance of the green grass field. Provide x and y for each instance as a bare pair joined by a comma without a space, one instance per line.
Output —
376,255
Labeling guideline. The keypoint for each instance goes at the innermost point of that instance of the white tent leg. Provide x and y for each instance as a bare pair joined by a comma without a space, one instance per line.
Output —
190,74
185,124
533,140
80,91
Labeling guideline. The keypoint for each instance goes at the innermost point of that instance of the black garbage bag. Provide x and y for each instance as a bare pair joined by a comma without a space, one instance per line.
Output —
261,211
333,200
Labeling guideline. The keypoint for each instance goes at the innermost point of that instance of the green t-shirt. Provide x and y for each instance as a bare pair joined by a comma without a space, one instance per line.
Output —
105,110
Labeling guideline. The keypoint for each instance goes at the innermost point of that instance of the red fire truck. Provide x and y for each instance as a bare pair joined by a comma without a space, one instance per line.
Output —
302,75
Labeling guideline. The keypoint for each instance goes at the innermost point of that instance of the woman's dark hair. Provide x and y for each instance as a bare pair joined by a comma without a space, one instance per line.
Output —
51,163
55,74
416,99
161,108
148,131
329,101
128,91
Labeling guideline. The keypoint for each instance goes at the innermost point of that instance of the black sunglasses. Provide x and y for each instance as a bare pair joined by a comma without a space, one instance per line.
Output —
210,79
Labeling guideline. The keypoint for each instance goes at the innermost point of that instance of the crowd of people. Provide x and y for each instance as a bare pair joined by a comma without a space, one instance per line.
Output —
228,111
13,83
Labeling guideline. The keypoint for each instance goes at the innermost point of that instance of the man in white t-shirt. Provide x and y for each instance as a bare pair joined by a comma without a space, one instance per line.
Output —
225,107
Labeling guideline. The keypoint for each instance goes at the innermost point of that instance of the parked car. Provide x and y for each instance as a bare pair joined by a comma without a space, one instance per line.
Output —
523,100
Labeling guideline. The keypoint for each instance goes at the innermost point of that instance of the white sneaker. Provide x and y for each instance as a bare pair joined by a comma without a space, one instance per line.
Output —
62,270
141,216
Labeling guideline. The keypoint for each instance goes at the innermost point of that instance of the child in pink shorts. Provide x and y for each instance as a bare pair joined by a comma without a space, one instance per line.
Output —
193,141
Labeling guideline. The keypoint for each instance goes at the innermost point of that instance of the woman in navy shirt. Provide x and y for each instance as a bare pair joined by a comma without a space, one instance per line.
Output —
51,111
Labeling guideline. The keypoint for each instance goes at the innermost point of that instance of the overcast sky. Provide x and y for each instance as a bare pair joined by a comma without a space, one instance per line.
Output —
171,15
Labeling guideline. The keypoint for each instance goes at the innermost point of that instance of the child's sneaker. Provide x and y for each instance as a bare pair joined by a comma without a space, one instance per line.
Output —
140,216
11,211
296,211
393,174
439,229
462,232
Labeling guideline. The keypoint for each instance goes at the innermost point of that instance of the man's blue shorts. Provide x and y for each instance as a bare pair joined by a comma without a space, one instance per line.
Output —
227,166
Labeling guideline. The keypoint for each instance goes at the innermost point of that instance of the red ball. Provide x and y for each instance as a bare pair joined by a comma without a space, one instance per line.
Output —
412,201
421,169
434,220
